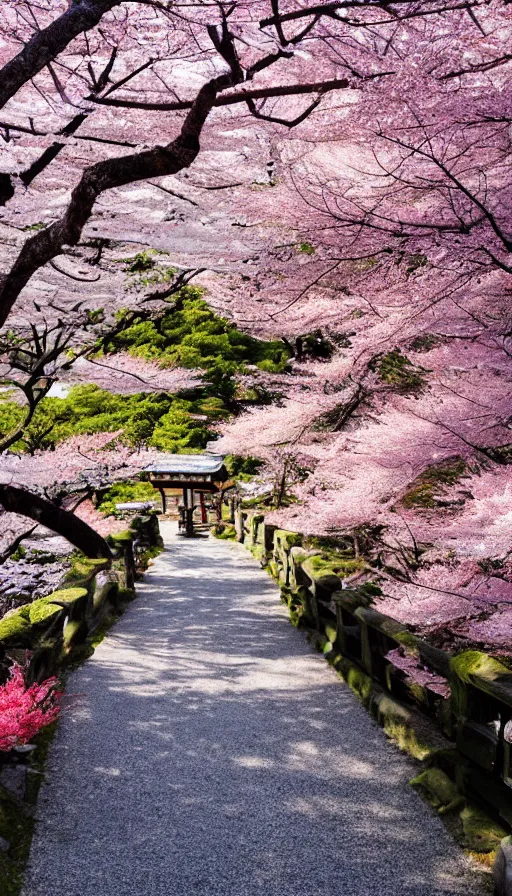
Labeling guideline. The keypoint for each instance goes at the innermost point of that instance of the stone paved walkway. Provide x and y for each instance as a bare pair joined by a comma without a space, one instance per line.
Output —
209,750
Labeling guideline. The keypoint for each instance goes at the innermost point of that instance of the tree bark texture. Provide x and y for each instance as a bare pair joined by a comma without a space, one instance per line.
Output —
46,44
62,522
157,162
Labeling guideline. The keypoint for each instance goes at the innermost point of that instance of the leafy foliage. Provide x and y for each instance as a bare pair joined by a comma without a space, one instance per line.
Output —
144,419
428,490
145,271
243,468
189,335
192,335
398,371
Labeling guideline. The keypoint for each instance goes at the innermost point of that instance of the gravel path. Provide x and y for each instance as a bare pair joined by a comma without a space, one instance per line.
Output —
209,750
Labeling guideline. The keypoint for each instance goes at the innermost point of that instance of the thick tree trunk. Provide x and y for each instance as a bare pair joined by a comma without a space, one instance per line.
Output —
64,523
82,15
161,160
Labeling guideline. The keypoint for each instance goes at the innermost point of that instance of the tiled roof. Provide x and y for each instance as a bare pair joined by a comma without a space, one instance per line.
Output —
187,463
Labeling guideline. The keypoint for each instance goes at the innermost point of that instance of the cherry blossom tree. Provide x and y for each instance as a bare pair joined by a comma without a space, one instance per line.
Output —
36,356
335,174
50,486
74,63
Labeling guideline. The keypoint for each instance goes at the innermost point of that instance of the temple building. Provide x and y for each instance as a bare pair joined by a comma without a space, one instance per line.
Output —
191,476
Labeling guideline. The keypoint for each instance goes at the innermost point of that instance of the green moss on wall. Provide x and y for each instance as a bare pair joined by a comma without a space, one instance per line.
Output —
75,632
15,628
42,611
439,790
481,833
359,682
324,566
286,538
120,539
223,531
66,596
83,569
473,662
407,640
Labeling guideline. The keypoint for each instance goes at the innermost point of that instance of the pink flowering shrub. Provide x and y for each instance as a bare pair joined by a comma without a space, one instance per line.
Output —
24,711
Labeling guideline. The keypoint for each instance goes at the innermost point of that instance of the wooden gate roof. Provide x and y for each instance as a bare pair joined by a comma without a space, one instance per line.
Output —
206,464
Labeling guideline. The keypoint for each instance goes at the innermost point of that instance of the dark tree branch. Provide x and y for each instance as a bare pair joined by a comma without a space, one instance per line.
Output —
241,96
14,545
287,122
331,10
34,390
183,279
480,67
51,152
157,162
9,126
71,276
45,45
64,523
277,21
47,157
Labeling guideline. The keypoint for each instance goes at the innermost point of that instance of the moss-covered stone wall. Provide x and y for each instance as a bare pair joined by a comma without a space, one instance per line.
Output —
452,713
52,631
50,627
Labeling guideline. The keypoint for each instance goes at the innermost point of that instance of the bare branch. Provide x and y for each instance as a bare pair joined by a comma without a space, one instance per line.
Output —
242,96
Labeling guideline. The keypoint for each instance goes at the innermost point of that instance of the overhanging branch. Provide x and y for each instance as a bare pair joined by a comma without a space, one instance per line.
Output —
46,44
64,523
157,162
241,96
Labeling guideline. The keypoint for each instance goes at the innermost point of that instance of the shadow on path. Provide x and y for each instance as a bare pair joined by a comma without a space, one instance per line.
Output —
210,751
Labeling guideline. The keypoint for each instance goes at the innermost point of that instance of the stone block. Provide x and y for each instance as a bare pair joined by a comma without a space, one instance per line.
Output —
302,577
483,673
502,870
269,532
349,632
45,659
284,539
409,730
439,789
488,789
256,529
106,588
320,571
481,833
273,568
41,612
75,632
308,609
366,649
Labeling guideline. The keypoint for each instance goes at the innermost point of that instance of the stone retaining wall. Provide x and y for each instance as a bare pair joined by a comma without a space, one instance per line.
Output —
452,712
48,629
